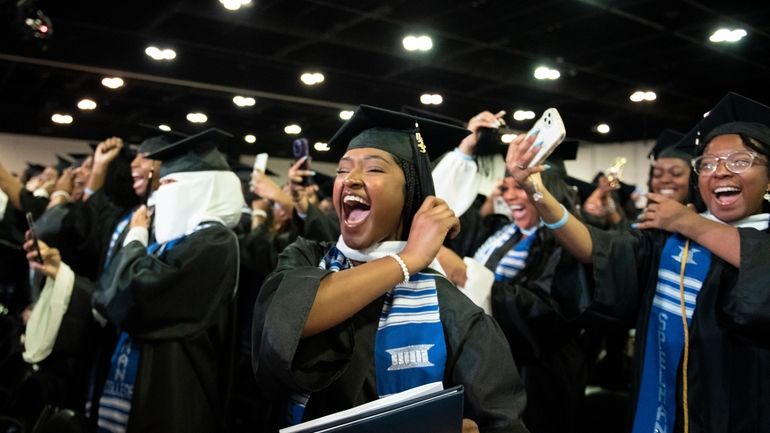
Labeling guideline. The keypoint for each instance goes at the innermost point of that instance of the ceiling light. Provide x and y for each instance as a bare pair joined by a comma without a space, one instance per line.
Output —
706,113
602,128
112,82
86,104
727,35
197,117
160,54
346,114
312,78
165,128
244,101
546,73
431,99
321,146
523,115
507,138
417,43
292,129
62,119
643,95
251,139
234,5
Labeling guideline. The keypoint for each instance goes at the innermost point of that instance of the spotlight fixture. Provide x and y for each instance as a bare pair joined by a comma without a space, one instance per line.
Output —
346,114
197,118
727,35
165,128
61,119
521,115
86,104
507,138
321,146
312,78
234,5
417,43
292,129
251,139
160,54
112,82
431,99
244,101
546,73
642,95
603,128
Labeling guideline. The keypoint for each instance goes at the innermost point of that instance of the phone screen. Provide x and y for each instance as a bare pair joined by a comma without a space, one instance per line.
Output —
31,223
300,150
260,162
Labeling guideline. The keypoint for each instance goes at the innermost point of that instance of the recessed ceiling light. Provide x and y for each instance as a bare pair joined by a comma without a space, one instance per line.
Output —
61,119
292,129
160,54
417,43
523,115
86,104
112,82
234,5
321,146
163,127
602,128
244,101
346,114
643,95
431,99
507,138
197,117
312,78
251,139
546,73
727,35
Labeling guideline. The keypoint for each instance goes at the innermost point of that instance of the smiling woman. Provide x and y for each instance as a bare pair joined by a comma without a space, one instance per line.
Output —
330,317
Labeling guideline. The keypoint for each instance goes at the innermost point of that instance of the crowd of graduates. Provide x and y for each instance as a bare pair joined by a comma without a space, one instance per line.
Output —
165,288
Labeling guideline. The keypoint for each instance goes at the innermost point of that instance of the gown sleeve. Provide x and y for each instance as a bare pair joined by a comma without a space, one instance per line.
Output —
747,304
175,294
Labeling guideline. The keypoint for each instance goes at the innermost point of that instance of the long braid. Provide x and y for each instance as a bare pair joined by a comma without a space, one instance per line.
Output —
411,186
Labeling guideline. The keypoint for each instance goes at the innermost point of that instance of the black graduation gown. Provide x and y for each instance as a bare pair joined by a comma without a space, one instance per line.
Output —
178,305
729,367
336,366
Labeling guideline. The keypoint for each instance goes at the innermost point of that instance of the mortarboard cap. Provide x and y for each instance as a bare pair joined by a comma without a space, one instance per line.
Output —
408,137
159,139
78,158
33,169
62,163
665,146
195,153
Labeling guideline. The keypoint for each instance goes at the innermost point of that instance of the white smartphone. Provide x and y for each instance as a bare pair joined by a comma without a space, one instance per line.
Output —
552,133
260,162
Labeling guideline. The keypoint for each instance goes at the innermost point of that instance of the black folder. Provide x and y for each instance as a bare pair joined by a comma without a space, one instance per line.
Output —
439,412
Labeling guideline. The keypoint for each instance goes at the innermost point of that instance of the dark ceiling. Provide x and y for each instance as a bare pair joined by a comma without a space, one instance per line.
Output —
483,57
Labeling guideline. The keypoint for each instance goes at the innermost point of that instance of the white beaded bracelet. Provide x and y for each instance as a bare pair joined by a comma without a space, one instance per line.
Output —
401,263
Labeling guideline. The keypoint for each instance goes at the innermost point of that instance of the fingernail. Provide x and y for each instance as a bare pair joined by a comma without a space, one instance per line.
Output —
546,166
634,225
538,143
311,173
533,132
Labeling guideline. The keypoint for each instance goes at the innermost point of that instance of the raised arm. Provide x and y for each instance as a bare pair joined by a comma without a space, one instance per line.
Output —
572,234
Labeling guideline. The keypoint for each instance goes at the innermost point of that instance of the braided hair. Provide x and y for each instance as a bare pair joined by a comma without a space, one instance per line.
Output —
411,202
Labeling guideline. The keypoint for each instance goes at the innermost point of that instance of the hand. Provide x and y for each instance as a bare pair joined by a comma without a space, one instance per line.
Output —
663,213
520,152
51,257
432,222
470,426
484,119
107,151
299,192
263,186
140,218
66,181
453,265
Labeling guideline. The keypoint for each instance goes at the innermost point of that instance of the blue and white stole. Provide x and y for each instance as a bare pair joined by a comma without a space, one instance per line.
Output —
515,258
409,348
656,403
115,402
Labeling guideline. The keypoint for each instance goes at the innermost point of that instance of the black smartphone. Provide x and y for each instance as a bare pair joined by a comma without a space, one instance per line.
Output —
148,188
33,234
301,149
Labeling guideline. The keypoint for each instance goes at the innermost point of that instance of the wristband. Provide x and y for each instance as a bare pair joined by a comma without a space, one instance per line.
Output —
401,263
558,224
61,193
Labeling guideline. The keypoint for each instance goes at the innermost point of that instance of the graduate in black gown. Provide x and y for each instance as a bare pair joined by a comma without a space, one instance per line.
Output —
696,283
328,319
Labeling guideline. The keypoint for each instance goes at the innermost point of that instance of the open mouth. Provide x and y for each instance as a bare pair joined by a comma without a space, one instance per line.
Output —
355,209
518,211
668,192
726,195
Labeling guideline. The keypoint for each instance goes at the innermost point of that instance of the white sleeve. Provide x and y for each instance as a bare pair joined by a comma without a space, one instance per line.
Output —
140,234
455,181
45,320
478,286
3,203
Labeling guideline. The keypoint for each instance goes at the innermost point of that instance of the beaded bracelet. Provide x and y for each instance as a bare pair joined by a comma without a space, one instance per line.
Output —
558,224
401,263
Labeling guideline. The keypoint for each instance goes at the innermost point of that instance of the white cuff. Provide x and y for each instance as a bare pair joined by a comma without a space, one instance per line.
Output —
478,286
45,320
140,234
40,192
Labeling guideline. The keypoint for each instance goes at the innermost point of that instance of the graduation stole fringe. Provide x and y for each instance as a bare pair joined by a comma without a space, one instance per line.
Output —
656,404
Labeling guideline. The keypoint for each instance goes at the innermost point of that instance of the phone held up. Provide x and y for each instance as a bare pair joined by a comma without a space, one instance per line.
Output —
33,235
301,149
552,133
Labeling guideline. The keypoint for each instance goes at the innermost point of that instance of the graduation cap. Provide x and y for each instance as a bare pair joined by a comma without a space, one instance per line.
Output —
78,158
195,153
62,163
33,169
159,139
733,114
665,146
406,136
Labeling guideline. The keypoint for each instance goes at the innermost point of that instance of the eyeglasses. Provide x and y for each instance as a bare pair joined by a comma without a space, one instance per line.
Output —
736,162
